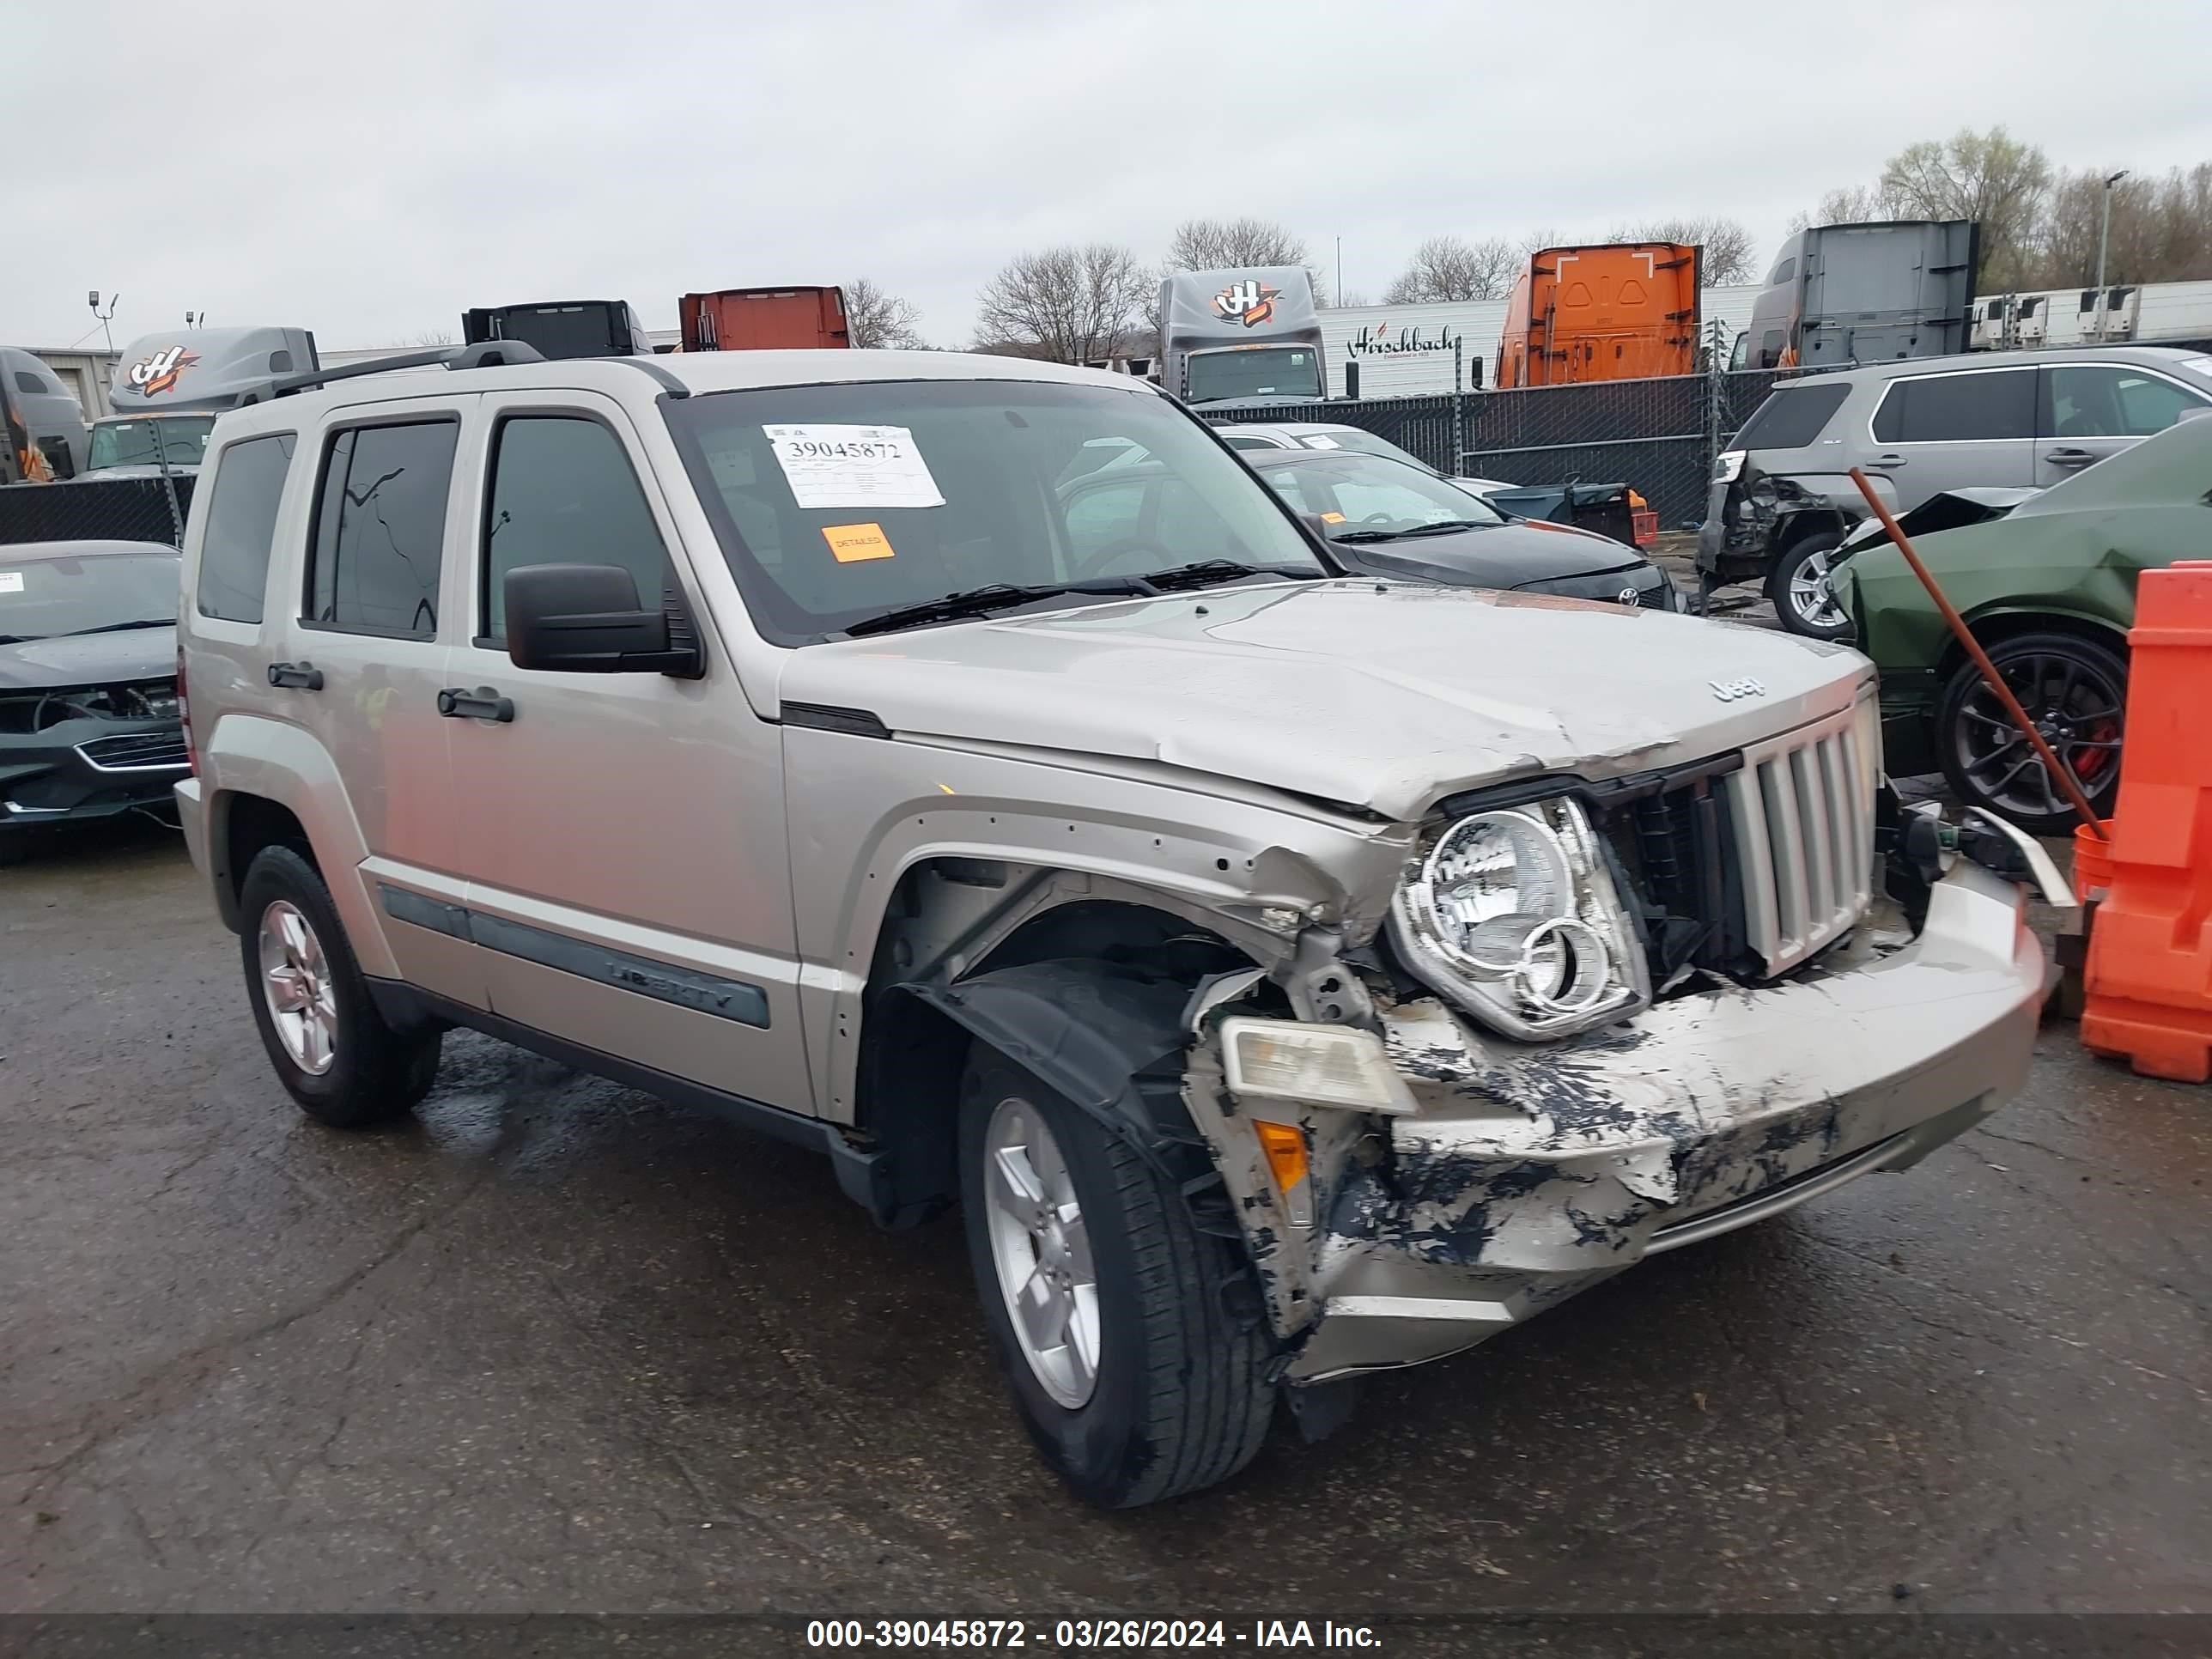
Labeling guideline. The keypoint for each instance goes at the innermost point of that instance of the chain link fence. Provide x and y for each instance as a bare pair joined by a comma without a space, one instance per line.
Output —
1657,436
97,509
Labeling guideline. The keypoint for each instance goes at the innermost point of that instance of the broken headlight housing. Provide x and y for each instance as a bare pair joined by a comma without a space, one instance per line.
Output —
1512,915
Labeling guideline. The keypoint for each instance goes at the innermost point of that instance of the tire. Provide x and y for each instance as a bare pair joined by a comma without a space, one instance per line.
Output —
369,1072
2075,690
1806,559
1179,1397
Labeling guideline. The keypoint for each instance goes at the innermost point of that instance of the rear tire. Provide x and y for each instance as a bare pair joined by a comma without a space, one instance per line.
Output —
332,1050
1797,588
1176,1397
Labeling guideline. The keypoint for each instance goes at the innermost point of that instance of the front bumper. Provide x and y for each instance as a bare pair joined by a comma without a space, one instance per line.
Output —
80,769
1529,1173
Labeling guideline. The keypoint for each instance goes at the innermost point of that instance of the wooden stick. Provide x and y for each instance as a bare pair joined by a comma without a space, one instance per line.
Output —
2057,769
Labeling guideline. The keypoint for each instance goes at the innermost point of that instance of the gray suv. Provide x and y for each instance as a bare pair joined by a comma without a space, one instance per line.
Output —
1780,503
1289,975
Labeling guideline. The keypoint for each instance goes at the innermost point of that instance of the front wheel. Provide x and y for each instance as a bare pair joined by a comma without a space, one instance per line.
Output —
1103,1300
2075,691
1798,587
331,1048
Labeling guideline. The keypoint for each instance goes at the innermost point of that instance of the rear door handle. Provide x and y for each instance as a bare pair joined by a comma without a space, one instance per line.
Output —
2068,457
457,703
300,676
1885,463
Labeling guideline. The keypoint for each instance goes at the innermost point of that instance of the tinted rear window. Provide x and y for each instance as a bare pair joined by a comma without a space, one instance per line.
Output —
380,529
1958,409
1792,417
241,520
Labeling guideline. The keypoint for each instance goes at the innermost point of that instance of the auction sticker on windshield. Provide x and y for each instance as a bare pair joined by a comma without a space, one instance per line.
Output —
11,582
835,466
855,543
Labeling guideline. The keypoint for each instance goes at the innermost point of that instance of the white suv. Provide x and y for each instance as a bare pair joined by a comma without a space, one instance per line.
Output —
1291,975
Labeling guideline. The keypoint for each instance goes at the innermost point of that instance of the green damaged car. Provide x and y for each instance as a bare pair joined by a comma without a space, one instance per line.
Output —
2049,588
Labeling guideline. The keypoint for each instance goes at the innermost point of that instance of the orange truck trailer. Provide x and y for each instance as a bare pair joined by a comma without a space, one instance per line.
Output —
758,319
1622,311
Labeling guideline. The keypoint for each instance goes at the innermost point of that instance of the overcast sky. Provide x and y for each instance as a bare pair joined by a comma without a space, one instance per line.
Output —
368,170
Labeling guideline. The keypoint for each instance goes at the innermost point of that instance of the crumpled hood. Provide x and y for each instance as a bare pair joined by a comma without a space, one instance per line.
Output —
1379,695
1497,556
135,653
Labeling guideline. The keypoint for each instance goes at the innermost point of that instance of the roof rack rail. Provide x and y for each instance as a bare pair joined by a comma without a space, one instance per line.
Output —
484,354
488,354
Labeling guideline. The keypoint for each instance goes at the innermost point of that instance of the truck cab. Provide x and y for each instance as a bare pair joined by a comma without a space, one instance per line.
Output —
562,328
1241,337
1620,311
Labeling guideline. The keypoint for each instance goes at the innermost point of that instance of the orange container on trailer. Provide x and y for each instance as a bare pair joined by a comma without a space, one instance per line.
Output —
1625,311
2150,977
762,319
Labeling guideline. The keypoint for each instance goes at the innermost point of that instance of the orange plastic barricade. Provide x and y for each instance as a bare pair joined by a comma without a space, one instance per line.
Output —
2149,989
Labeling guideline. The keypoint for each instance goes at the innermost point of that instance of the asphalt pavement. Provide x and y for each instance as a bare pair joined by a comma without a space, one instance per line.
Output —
562,1345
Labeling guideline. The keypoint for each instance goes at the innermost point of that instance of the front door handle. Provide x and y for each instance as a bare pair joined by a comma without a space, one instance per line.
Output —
457,703
2068,457
300,676
1887,463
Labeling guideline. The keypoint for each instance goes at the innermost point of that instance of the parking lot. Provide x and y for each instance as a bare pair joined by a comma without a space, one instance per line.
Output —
561,1345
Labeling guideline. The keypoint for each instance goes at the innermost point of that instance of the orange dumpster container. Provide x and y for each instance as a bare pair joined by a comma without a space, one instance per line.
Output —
2149,975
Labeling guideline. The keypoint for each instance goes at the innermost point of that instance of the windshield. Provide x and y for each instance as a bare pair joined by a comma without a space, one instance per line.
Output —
1363,443
1252,372
143,442
41,599
1353,493
838,504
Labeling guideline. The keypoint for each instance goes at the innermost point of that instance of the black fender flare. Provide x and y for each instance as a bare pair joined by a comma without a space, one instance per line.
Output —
1111,1040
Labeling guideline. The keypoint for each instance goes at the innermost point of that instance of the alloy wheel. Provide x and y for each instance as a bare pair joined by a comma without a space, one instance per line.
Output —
2078,707
1041,1252
1810,595
296,980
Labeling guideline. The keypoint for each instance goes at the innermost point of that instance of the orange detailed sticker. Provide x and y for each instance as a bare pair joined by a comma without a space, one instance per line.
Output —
1332,518
851,544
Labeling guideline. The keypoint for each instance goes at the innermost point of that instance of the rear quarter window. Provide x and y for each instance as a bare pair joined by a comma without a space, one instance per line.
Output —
1792,417
242,524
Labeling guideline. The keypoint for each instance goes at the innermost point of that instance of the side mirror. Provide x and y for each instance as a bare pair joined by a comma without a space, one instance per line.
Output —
585,619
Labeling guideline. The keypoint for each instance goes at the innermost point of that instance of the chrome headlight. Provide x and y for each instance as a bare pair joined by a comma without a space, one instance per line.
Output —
1513,915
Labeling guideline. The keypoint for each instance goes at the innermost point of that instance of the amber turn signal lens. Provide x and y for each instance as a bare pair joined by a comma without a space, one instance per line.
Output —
1285,1147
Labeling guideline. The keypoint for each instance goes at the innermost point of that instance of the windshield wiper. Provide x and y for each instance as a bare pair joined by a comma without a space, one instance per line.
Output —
982,601
115,628
1365,535
1220,570
1445,527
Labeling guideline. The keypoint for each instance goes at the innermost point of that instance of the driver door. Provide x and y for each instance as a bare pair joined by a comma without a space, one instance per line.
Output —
623,834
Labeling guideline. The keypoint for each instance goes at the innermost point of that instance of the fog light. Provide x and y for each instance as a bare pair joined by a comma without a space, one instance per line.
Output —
1320,1064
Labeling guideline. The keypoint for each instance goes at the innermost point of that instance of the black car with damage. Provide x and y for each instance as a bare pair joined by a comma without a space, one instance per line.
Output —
89,719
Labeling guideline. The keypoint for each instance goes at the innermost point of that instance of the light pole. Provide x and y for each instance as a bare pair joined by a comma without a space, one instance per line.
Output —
2104,241
104,316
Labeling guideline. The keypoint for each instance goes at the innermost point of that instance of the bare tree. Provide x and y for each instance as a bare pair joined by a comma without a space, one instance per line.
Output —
877,318
2161,228
1729,255
431,339
1063,304
1228,244
1451,268
1990,178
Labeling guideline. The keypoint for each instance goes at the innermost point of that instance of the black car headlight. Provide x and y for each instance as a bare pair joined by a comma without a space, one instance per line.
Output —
1513,915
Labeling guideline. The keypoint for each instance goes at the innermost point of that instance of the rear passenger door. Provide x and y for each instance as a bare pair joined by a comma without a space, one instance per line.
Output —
2089,410
1946,431
363,658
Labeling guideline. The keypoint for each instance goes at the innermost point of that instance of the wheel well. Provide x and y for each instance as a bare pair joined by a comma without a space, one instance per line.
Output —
913,1054
1803,525
249,823
1992,630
